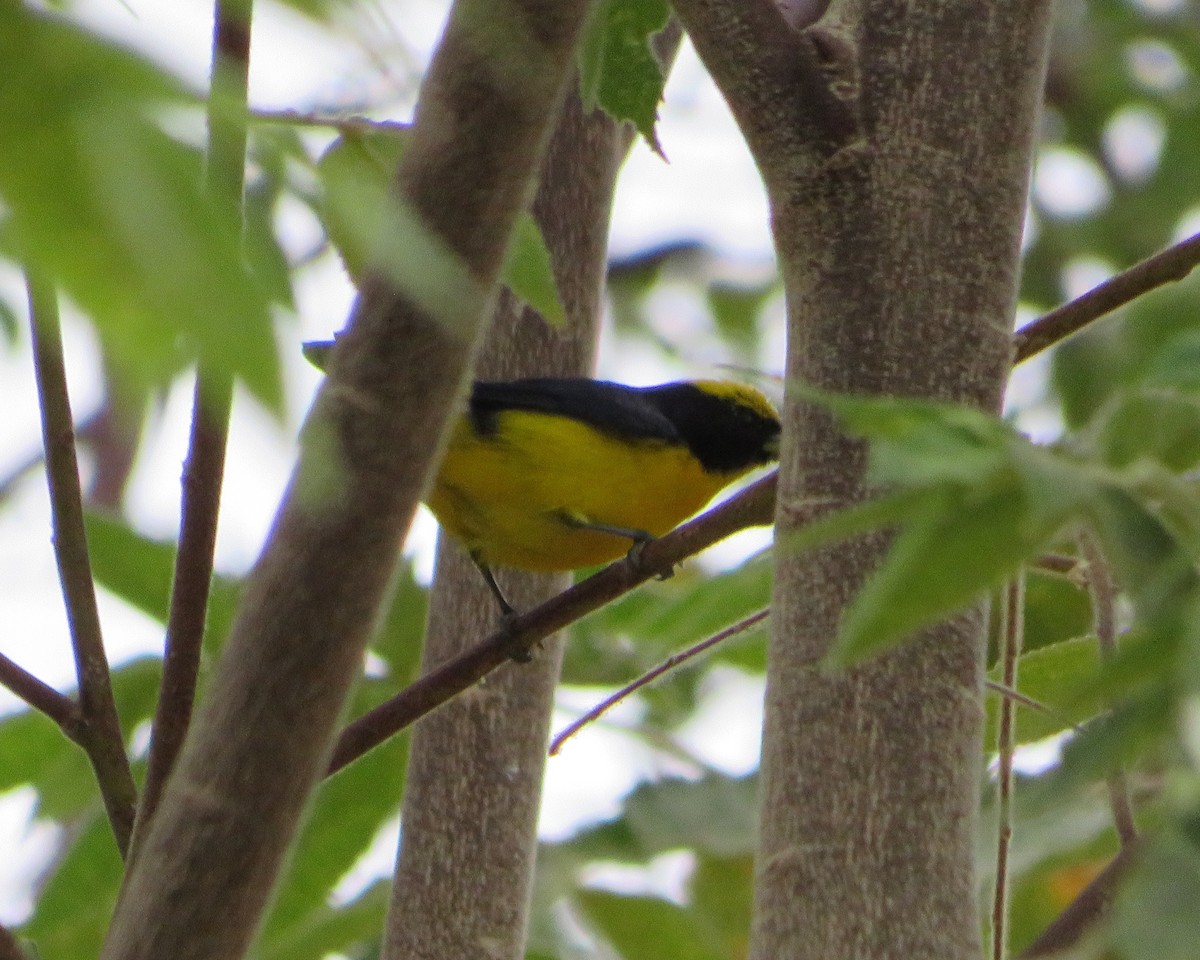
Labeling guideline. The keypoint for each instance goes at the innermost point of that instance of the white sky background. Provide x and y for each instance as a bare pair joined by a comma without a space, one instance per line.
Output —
298,65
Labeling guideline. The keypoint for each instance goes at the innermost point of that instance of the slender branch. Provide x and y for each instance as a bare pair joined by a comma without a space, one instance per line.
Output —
101,728
43,698
1012,626
1167,266
651,675
1085,912
211,405
1102,588
752,507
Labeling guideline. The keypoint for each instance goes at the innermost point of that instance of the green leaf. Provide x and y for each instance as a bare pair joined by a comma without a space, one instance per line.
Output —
736,308
103,202
1156,425
139,571
1056,609
667,618
1150,564
1062,677
715,814
528,273
1155,912
356,175
76,903
722,893
646,928
352,929
37,753
617,69
921,442
948,553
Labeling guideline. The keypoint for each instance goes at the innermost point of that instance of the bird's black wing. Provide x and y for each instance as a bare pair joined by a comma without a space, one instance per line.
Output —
613,408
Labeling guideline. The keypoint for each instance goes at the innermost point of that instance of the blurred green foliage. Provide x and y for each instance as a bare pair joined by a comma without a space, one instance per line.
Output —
100,192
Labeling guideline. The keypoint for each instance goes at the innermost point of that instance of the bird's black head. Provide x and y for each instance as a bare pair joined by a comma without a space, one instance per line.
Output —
729,427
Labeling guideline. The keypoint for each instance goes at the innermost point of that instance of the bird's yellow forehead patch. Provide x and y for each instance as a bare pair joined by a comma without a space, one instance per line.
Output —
742,394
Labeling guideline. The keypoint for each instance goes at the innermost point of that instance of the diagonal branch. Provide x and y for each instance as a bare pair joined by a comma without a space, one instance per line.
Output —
43,698
673,661
751,507
1086,912
260,741
212,401
1166,266
101,729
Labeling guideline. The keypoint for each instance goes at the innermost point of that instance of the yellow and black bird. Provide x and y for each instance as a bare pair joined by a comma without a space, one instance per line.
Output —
563,473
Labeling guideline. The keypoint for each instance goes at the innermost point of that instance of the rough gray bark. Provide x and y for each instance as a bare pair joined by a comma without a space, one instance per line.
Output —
895,144
262,738
475,769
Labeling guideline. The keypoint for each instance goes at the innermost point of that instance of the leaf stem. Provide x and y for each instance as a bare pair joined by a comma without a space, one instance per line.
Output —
101,728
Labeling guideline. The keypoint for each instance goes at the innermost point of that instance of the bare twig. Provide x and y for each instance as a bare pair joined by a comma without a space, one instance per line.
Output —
651,675
1169,265
101,728
1103,590
752,507
43,698
1012,627
211,404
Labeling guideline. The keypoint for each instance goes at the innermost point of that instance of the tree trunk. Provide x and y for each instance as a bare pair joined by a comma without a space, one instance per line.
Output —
475,770
895,143
900,252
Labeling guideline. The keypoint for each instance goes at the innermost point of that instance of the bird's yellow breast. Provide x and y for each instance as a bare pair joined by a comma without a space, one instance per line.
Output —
509,495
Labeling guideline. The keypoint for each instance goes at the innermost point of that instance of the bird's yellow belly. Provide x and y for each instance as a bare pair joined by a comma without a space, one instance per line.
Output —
510,497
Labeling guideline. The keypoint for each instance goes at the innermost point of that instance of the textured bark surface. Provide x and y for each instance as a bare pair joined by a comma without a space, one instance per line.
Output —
900,253
475,770
261,739
895,142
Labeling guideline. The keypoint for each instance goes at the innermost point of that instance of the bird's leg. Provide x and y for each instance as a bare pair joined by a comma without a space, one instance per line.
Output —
507,612
639,537
506,608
